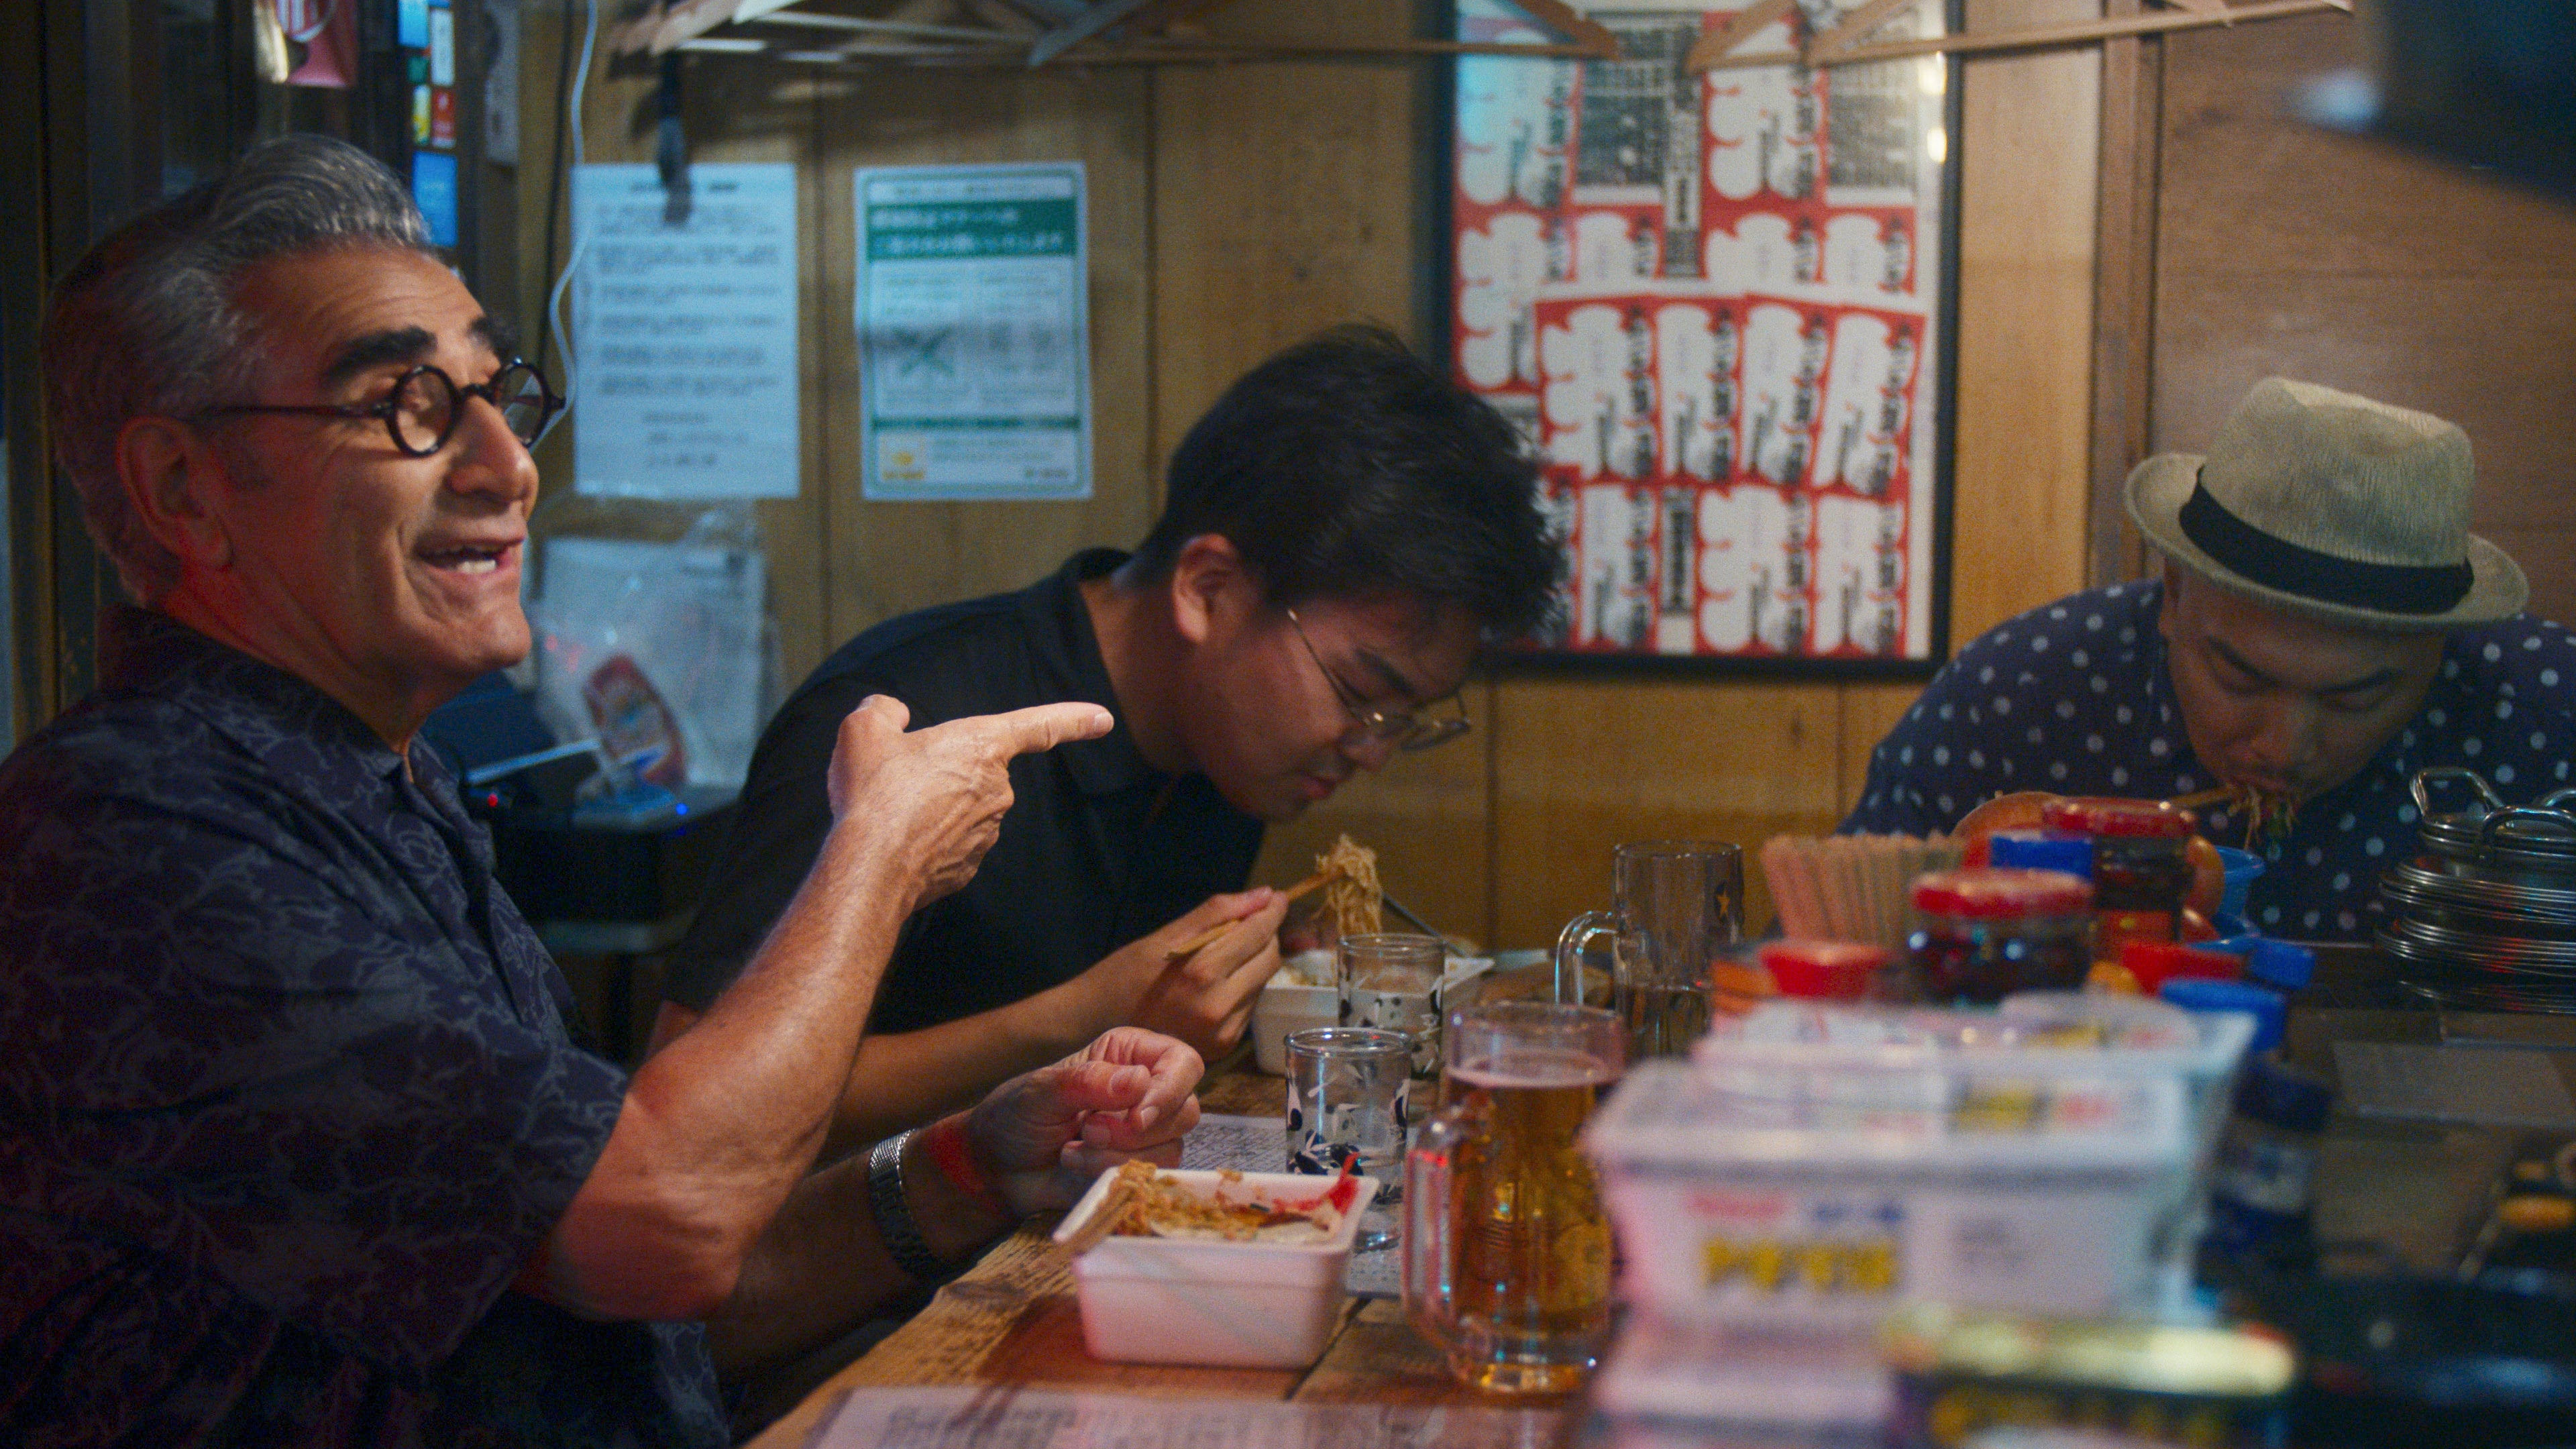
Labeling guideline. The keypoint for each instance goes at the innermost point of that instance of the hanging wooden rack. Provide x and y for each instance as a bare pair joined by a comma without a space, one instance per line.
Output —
1843,45
1038,33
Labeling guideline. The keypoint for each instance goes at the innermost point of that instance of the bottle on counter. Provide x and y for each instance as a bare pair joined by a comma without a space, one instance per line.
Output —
1986,934
2142,871
2262,1193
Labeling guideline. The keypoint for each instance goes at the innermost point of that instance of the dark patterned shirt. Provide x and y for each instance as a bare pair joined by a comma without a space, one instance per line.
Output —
286,1095
2073,697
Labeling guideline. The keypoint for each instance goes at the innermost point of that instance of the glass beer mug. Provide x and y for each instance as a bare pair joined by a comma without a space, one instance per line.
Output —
1506,1245
1678,904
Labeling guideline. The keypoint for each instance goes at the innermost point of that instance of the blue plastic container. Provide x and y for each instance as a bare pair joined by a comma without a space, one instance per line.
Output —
2242,867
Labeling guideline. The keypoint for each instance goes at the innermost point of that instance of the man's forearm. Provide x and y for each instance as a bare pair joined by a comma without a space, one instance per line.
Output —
822,1267
910,1078
719,1125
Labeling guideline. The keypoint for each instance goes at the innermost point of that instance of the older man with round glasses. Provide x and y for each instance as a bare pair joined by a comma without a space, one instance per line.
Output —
295,1148
1339,532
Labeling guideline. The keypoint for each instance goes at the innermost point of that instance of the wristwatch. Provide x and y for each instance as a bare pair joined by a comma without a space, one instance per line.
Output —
895,1227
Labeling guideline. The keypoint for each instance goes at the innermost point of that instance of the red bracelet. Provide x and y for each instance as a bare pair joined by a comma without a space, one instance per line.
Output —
945,1141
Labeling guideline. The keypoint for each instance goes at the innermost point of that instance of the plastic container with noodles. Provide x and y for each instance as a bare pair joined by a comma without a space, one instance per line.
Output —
1198,1300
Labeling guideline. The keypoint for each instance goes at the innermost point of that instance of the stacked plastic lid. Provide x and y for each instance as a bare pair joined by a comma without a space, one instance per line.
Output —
2484,915
2117,819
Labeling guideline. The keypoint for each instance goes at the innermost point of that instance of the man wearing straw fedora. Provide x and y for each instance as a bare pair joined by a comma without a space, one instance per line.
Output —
2324,627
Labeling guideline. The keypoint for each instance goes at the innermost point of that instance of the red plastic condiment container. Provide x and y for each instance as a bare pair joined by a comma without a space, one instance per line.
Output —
2141,868
2154,963
1988,933
1824,970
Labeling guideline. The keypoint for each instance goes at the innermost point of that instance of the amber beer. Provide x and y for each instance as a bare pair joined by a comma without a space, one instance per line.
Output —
1507,1261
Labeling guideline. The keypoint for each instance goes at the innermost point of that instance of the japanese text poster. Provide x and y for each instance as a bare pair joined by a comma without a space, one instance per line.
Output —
1713,302
974,338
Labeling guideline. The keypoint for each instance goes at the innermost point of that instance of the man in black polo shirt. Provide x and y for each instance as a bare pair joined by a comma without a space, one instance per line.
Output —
1343,527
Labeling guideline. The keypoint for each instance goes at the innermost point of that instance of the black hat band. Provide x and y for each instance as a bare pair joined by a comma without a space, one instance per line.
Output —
2288,568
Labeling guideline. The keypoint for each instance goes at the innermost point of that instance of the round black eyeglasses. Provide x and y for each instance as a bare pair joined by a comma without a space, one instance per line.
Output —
426,404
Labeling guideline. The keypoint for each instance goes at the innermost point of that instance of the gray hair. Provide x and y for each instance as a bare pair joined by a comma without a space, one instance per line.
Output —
145,324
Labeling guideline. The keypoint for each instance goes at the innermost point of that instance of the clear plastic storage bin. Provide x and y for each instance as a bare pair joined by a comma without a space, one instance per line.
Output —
1816,1165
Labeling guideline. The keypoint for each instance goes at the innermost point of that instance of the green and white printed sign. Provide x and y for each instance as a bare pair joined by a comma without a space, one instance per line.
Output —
974,342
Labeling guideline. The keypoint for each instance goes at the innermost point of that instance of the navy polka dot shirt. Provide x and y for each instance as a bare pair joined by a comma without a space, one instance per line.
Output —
2073,698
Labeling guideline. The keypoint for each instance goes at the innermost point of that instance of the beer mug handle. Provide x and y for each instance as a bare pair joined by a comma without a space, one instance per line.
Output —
1571,943
1429,1280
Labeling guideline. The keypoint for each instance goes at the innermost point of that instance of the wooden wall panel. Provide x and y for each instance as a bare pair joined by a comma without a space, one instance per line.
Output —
732,114
1869,712
1589,764
2124,296
2026,247
1283,202
2287,250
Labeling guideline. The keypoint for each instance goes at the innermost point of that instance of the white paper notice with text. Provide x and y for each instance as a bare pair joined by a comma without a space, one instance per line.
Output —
685,333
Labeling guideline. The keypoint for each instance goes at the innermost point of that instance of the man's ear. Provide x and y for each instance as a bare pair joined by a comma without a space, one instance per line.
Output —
169,472
1213,589
2168,608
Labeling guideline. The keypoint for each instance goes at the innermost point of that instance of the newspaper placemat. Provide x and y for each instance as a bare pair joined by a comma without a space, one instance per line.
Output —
1000,1418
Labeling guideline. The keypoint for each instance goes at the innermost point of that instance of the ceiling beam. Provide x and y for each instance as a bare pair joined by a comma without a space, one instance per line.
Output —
1574,25
1101,15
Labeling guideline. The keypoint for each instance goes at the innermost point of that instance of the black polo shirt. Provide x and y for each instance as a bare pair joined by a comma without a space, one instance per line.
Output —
1099,847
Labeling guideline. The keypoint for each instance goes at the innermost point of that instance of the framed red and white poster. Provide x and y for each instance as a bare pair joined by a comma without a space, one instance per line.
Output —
1720,304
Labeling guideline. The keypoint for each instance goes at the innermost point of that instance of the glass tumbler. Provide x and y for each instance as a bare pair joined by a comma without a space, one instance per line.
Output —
1392,982
1347,1100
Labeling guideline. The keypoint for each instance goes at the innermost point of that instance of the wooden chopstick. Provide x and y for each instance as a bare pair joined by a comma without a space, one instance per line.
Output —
1194,944
2198,798
1120,1200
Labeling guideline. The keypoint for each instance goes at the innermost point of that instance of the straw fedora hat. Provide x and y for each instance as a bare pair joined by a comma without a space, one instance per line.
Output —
2332,506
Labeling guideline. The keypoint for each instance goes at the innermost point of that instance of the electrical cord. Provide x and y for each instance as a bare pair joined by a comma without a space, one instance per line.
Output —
554,191
554,301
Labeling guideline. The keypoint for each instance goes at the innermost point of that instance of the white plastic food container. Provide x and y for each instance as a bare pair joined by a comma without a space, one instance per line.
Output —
1667,1387
1205,1301
1815,1166
1281,1009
